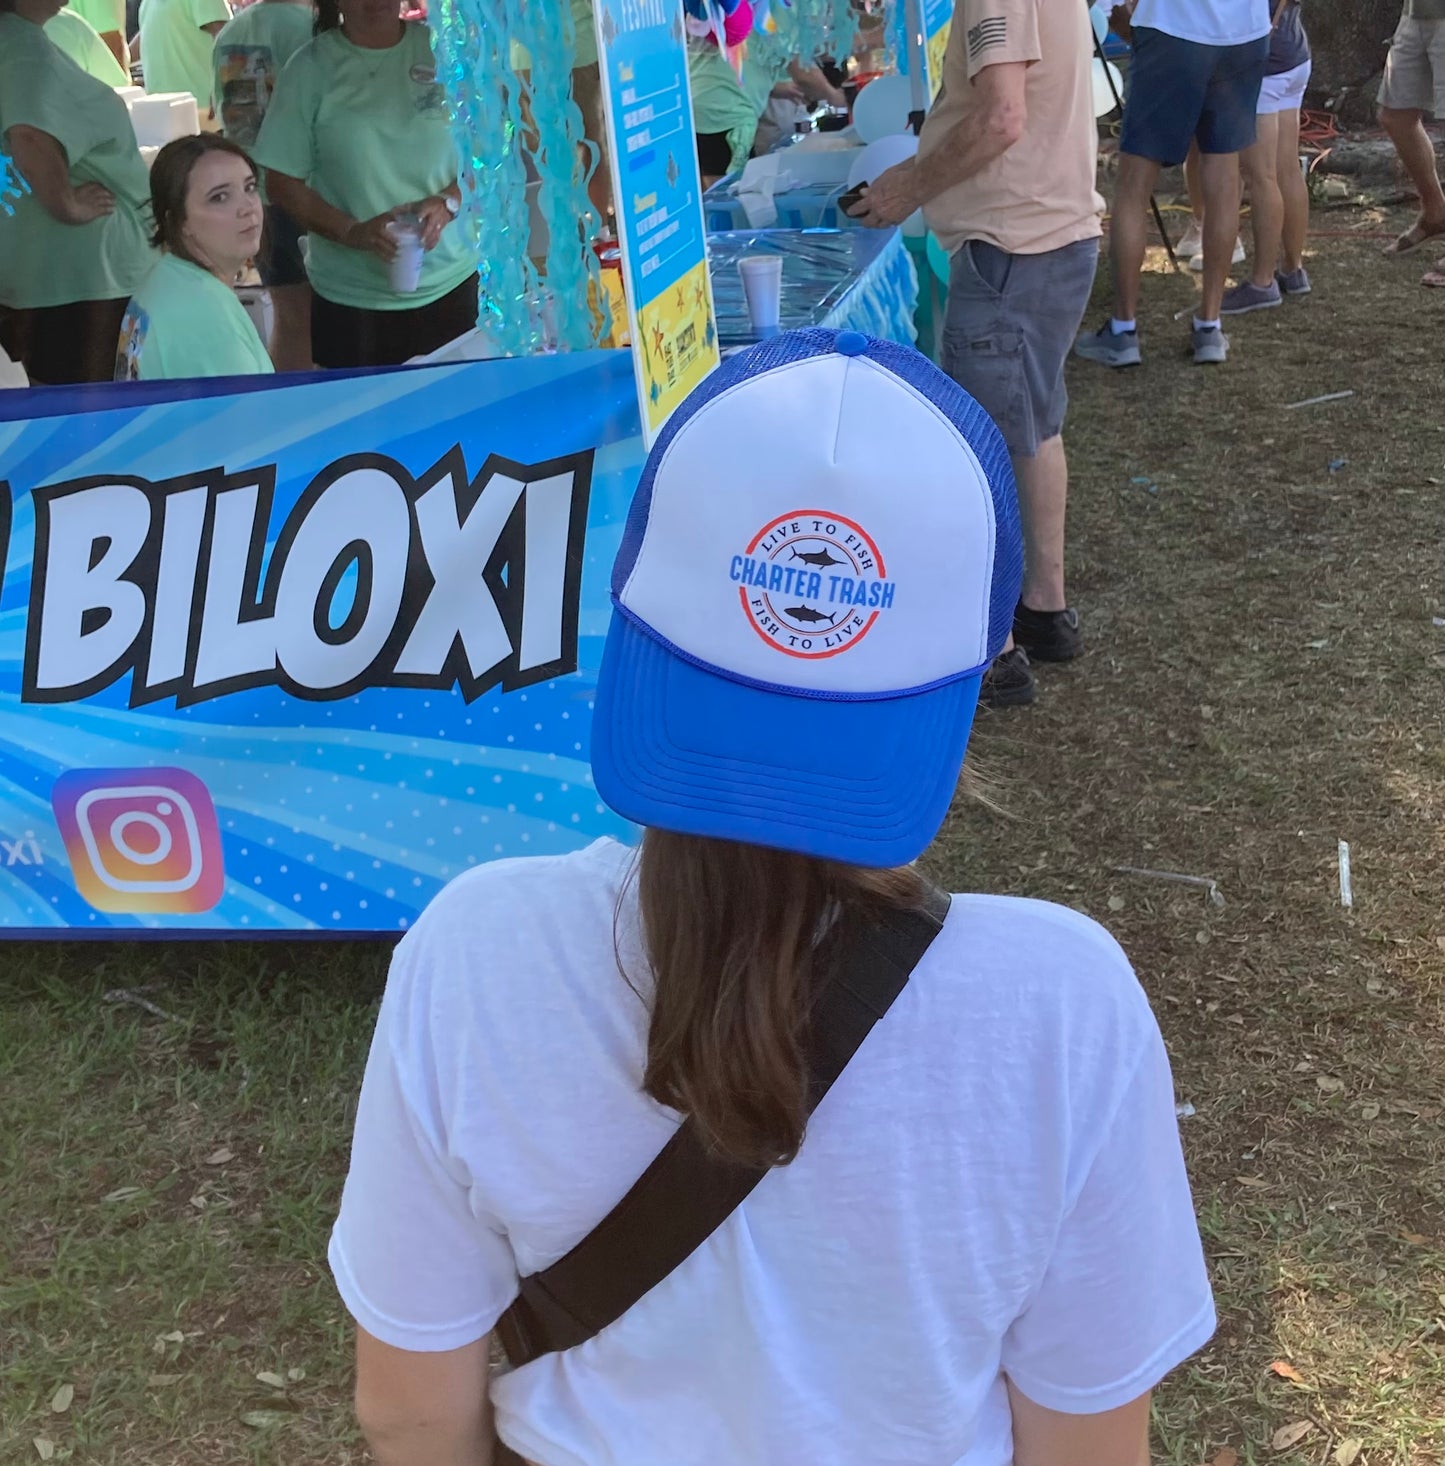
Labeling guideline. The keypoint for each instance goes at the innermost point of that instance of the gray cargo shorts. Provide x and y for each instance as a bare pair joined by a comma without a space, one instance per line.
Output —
1008,328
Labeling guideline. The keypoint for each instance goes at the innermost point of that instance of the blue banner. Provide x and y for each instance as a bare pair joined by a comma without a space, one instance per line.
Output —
285,658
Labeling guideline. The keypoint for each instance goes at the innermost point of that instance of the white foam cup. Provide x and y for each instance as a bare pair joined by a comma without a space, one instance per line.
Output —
763,289
404,271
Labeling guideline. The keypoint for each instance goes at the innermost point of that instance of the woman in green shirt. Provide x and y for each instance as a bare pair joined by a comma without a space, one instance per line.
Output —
78,39
186,321
356,139
176,41
76,246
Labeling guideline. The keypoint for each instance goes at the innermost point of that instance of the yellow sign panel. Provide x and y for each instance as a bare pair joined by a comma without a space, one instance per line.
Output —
677,344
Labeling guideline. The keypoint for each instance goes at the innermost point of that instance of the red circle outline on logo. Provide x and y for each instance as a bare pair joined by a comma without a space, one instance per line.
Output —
830,518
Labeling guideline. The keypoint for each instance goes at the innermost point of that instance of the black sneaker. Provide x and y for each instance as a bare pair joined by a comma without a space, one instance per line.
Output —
1048,636
1009,681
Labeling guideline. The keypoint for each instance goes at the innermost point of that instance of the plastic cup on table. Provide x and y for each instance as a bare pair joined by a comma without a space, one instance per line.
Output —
762,277
404,271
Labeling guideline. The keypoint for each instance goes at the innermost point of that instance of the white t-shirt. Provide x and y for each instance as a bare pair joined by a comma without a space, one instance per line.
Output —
994,1185
1208,22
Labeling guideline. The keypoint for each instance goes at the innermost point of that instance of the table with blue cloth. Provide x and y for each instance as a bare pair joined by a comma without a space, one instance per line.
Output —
851,279
810,206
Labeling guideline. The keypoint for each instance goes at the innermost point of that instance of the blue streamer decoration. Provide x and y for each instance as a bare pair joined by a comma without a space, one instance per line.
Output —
12,183
472,41
576,315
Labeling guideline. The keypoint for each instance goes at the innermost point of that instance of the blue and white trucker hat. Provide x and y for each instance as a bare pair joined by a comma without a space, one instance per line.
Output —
821,560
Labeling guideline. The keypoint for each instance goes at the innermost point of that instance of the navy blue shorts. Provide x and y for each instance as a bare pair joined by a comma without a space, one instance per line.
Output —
1179,91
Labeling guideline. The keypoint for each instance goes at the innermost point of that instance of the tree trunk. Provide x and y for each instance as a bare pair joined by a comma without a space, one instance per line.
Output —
1348,39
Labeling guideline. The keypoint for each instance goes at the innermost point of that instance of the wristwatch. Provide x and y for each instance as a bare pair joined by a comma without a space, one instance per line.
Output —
454,206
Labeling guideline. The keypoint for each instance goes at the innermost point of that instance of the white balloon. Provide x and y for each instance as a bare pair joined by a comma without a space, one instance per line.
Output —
1104,98
882,107
879,157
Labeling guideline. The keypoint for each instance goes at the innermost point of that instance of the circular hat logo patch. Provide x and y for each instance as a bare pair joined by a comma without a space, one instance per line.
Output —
812,583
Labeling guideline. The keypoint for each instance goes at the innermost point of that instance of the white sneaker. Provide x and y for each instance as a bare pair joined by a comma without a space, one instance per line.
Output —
1196,260
1192,242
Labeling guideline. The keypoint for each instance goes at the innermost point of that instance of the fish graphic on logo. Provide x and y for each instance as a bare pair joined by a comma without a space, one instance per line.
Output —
821,558
812,583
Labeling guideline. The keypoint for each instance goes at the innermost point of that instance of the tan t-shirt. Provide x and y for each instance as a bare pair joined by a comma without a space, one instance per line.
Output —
1040,194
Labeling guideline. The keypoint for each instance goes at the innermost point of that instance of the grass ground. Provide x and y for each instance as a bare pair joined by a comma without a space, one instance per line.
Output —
1258,588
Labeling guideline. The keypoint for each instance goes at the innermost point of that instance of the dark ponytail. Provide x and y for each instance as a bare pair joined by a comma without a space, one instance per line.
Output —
732,933
328,16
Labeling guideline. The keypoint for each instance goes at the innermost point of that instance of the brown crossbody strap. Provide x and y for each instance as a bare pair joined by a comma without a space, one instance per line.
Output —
682,1198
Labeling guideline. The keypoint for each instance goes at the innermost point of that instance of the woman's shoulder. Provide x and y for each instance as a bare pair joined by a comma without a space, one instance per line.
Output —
175,281
502,900
1017,955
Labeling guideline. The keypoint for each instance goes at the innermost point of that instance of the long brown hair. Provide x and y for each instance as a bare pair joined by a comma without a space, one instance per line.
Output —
738,938
171,178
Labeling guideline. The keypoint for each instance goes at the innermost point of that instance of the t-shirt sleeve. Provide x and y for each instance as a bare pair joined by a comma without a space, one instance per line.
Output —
286,139
1125,1296
208,12
414,1263
42,96
999,30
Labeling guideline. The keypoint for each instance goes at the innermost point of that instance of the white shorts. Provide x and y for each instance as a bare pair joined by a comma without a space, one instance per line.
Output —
1285,92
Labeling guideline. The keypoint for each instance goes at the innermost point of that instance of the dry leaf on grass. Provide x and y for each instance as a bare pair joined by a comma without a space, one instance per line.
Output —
1288,1435
156,1381
121,1193
1369,1112
274,1380
1328,1084
220,1157
1227,1457
264,1419
1347,1450
1116,903
45,1449
295,1373
60,1400
1416,1239
1251,1181
1285,1370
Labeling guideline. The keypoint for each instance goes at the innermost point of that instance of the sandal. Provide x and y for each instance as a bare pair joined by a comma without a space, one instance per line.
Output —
1413,238
1435,278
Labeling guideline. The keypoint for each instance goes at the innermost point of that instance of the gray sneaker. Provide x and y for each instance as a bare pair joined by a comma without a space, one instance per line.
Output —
1210,344
1247,296
1109,347
1294,282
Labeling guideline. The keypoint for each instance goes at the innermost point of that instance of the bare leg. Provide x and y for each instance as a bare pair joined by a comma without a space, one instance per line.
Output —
1412,143
1128,233
290,344
1193,184
1294,193
1043,486
1219,173
1266,204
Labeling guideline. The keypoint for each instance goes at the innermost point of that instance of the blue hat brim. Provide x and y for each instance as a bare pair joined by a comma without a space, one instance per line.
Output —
680,748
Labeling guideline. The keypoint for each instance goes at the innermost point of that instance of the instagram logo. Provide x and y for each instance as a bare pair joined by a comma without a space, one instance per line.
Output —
140,840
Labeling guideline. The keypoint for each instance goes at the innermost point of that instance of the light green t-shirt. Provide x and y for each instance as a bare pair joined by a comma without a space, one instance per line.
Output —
249,56
719,103
78,39
368,131
183,322
175,52
42,261
584,44
105,15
